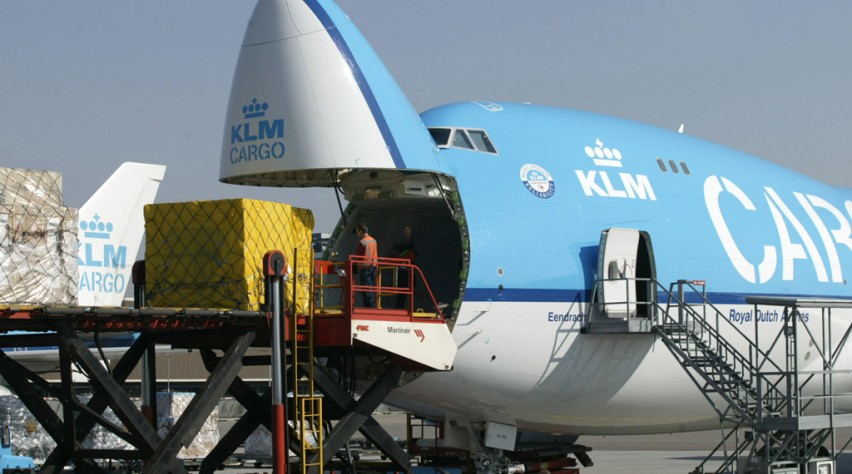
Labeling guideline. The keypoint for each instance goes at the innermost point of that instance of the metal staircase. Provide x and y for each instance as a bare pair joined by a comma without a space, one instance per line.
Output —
718,367
772,417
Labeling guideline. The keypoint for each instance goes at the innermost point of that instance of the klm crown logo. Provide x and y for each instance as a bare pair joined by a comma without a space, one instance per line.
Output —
255,109
603,156
96,229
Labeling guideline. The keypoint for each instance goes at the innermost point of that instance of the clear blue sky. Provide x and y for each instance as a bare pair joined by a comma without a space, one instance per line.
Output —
86,85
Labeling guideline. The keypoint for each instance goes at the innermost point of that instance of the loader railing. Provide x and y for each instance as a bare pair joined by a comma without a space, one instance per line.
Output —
339,291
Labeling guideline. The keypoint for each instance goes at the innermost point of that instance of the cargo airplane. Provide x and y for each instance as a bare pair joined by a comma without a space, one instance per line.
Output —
519,211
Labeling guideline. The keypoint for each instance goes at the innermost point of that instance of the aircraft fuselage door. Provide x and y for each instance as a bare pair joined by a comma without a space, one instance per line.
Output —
617,261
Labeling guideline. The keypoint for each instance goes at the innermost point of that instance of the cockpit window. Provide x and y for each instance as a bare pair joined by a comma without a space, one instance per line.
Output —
441,136
480,139
460,140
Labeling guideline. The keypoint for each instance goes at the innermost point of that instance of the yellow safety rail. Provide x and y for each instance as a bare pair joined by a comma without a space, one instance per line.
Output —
328,285
308,406
310,431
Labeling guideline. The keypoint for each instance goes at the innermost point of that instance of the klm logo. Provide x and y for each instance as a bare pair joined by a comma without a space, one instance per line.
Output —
98,257
257,138
608,182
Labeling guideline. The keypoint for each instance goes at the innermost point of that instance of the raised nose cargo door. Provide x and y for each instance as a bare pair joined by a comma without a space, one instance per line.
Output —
311,99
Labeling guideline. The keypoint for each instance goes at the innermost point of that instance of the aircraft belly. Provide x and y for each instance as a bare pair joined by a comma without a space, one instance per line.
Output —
514,363
548,376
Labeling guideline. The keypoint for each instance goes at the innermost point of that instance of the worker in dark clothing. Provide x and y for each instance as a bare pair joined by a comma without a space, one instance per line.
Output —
368,248
404,250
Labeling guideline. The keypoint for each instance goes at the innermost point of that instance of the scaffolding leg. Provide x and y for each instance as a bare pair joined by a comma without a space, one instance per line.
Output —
85,417
22,381
123,407
201,406
149,368
149,386
359,416
257,413
101,399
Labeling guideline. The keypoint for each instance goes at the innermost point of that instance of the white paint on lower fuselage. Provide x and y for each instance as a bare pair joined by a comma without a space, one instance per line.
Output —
515,360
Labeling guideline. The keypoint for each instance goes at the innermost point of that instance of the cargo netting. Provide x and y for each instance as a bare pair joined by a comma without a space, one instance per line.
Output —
38,240
33,187
209,254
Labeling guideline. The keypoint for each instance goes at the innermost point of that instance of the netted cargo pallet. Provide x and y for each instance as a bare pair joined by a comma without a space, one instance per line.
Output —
38,240
209,254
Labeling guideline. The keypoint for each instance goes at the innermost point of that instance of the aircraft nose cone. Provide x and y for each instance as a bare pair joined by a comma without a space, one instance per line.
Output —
276,20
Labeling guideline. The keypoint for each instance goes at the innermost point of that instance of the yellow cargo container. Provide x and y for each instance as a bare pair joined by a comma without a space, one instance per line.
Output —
209,254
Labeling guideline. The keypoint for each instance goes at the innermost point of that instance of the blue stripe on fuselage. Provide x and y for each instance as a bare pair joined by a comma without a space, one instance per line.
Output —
514,295
360,79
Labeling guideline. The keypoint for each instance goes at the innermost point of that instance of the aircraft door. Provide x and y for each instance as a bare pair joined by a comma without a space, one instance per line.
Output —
625,273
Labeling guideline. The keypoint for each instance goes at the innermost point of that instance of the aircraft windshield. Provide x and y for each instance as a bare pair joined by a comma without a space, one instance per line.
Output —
462,138
480,139
441,136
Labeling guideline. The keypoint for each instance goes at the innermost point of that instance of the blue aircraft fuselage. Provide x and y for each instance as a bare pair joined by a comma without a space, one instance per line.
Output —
537,207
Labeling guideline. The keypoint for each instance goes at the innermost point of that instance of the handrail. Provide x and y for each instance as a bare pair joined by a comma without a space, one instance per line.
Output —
746,366
626,303
701,331
322,268
749,366
350,287
718,313
429,291
758,361
669,293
